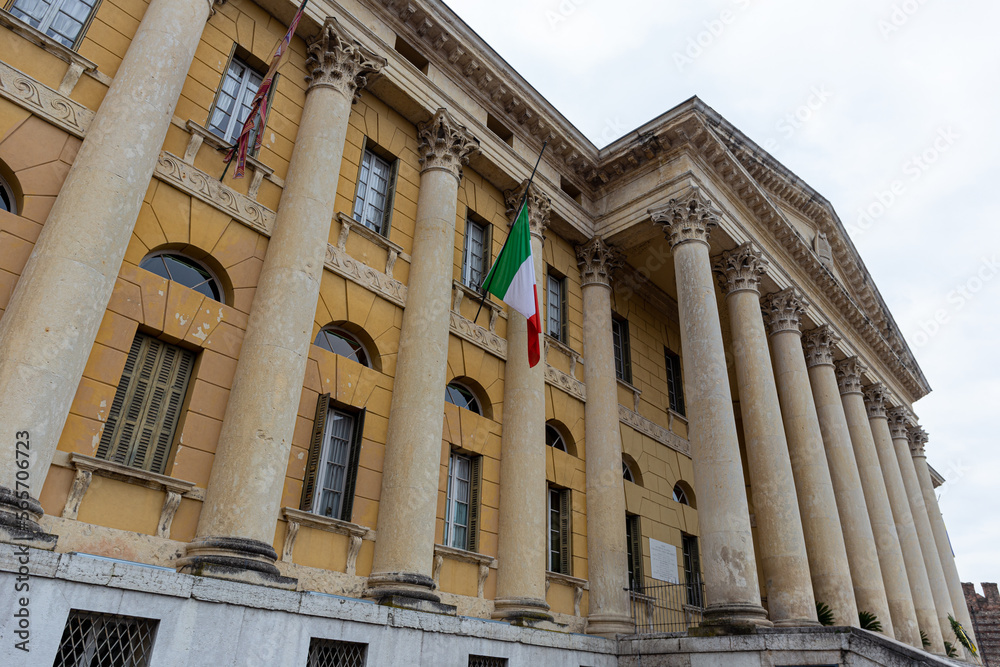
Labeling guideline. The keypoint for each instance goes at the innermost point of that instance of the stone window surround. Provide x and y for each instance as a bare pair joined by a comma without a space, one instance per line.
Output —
297,518
484,562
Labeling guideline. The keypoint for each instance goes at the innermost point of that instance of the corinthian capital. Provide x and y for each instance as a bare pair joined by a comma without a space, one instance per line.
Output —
597,260
539,207
875,400
918,441
818,346
783,311
444,144
899,422
739,270
849,372
337,61
687,217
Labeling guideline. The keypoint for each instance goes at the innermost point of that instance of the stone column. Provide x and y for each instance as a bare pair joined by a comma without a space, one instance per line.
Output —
890,556
607,558
916,574
866,574
918,440
824,537
790,600
521,547
404,551
728,559
237,523
49,327
899,420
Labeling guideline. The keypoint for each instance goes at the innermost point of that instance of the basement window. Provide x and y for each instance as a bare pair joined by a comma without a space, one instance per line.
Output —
570,189
332,653
406,50
91,638
499,129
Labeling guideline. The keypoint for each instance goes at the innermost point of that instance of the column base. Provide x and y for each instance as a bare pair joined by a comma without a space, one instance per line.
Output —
384,585
521,611
236,559
610,625
19,519
726,619
797,623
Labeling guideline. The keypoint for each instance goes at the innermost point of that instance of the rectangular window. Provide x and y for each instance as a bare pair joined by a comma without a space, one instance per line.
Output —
62,20
559,531
692,570
147,404
461,517
475,256
332,653
619,337
90,639
555,305
675,382
232,101
332,467
486,661
633,546
376,190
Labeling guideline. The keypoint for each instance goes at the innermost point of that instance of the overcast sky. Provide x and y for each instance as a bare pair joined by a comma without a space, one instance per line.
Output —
885,106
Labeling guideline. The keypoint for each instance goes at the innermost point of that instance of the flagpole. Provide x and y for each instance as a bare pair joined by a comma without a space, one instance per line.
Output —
524,199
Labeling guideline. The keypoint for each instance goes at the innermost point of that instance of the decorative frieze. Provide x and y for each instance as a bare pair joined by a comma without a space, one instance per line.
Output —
444,144
653,430
479,336
566,382
783,311
337,61
739,270
597,260
899,422
818,346
538,204
689,216
342,264
849,372
875,395
44,102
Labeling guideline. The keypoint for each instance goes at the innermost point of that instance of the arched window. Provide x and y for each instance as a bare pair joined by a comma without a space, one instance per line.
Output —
680,495
460,395
630,470
553,438
342,342
186,271
7,201
626,473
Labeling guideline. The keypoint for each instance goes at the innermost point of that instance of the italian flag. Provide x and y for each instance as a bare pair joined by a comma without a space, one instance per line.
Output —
512,280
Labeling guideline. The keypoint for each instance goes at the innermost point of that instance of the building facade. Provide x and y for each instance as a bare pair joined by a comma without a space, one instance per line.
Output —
280,396
985,612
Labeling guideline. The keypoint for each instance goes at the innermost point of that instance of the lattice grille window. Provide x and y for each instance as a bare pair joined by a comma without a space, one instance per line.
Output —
486,661
331,653
91,639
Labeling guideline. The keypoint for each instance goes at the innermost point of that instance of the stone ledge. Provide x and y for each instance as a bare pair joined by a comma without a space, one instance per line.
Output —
355,534
78,65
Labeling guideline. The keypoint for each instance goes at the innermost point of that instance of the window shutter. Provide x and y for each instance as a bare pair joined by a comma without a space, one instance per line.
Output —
360,189
678,384
563,312
315,448
565,557
390,196
475,486
635,536
175,372
115,423
351,475
626,353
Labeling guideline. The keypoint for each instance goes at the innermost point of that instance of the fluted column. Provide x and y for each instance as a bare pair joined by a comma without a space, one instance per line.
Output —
916,574
890,556
899,420
404,551
237,523
607,558
521,543
50,324
824,537
866,573
918,441
728,559
790,600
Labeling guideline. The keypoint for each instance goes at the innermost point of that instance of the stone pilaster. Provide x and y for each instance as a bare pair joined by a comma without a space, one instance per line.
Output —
54,313
916,574
728,560
890,555
521,550
607,559
898,422
918,441
237,523
824,537
404,552
866,573
783,555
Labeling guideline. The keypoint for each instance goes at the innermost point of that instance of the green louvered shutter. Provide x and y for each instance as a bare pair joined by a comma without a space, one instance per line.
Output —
351,474
565,555
390,197
475,494
315,449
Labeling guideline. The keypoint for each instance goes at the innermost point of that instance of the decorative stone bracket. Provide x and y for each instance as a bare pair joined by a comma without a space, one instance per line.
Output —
394,251
88,466
574,356
355,533
578,586
636,393
485,563
460,290
200,135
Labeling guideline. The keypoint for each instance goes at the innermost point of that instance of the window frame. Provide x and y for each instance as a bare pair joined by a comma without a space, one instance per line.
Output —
347,336
240,54
485,255
559,438
89,645
621,348
369,147
561,552
692,569
475,479
555,279
633,546
197,265
461,388
319,448
675,381
54,10
8,196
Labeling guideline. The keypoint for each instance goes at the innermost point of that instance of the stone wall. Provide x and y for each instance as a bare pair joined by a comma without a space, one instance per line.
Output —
985,612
